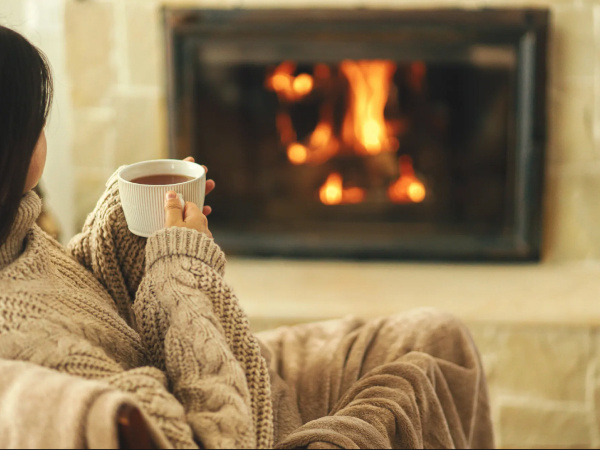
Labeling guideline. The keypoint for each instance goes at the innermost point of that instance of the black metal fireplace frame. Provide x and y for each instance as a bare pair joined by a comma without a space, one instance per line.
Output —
526,30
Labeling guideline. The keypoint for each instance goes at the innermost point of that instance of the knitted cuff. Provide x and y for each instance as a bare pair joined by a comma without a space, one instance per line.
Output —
177,241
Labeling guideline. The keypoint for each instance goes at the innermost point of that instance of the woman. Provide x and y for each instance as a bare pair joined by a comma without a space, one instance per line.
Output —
116,320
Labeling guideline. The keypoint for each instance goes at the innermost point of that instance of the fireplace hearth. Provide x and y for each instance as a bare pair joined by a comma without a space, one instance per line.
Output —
365,133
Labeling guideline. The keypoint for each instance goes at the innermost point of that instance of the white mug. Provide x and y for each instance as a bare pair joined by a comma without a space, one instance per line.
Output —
144,204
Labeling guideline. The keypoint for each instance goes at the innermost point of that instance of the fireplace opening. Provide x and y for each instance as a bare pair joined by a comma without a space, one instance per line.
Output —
365,134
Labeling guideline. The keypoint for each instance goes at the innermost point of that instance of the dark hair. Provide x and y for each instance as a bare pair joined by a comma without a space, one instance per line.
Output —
25,100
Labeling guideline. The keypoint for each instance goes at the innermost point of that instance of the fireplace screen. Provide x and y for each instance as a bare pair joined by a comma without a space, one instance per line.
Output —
364,134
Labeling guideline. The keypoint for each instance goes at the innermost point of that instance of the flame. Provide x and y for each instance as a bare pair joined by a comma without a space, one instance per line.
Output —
353,195
333,192
287,86
297,153
322,143
407,188
323,135
284,124
303,85
365,128
322,71
416,192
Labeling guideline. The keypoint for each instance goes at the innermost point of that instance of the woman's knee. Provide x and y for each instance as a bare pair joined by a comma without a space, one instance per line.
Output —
435,332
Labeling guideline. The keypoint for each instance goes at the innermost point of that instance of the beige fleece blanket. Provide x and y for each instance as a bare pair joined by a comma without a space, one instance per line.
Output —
408,381
43,408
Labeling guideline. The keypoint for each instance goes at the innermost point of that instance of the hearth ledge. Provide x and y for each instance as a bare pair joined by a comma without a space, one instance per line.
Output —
278,292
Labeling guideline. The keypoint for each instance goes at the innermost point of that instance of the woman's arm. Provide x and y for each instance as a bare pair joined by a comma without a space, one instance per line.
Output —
110,251
195,330
114,255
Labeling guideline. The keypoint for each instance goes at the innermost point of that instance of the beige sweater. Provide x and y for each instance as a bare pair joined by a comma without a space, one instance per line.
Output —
168,330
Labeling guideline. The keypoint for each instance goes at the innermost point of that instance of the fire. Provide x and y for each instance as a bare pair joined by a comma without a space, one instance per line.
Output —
286,85
322,143
285,127
322,71
333,192
408,188
303,84
297,153
365,128
365,131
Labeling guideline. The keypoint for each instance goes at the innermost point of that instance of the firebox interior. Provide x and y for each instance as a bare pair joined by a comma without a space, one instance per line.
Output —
398,138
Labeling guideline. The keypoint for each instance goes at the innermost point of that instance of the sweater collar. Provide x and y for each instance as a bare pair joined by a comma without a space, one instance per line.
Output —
29,211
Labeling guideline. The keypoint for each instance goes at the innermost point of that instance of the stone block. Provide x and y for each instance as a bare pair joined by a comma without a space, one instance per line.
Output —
217,4
572,213
572,50
93,142
144,43
595,389
596,421
590,208
89,28
540,425
571,123
597,76
486,338
549,363
141,134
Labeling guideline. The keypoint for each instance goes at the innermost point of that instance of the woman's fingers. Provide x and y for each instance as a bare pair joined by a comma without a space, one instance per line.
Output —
210,186
173,210
206,210
191,212
195,219
186,216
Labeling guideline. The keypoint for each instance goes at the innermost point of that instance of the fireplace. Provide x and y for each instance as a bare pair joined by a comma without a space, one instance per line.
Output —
365,133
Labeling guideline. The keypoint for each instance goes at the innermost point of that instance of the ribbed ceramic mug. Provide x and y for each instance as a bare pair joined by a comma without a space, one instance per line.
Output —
144,204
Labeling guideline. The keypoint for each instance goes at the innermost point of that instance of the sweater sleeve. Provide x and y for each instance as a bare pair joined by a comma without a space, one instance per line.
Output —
192,325
110,251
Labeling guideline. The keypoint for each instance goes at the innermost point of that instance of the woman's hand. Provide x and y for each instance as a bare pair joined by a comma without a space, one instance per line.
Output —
210,186
188,216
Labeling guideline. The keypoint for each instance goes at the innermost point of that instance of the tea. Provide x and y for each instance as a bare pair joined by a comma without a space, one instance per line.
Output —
162,179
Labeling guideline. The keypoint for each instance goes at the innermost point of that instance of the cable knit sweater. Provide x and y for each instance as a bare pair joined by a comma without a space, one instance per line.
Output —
153,318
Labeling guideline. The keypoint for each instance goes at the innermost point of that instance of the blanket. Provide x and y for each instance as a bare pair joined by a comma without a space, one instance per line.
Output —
43,408
413,380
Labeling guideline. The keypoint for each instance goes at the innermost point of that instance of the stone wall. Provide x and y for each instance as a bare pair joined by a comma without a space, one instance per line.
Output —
544,383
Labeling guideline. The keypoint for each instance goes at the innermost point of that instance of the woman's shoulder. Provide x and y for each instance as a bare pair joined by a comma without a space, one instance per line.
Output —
47,278
64,309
